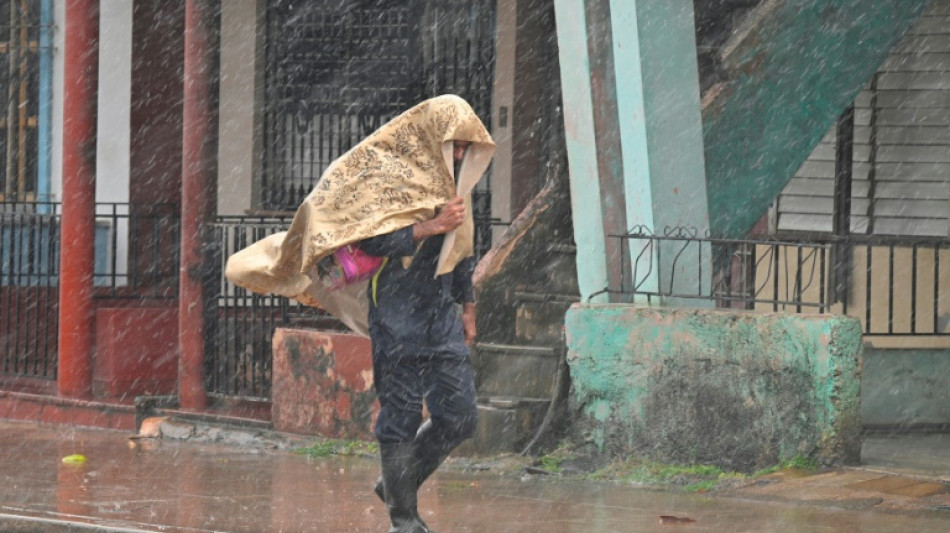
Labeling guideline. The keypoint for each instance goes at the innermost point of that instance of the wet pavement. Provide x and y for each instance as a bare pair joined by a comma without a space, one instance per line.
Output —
182,486
921,455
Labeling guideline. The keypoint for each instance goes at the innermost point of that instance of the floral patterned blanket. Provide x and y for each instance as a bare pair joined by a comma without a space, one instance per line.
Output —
397,176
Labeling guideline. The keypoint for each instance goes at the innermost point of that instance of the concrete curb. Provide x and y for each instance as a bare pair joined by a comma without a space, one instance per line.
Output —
31,524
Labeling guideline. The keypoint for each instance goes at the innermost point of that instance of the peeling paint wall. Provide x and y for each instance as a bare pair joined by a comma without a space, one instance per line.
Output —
323,384
738,390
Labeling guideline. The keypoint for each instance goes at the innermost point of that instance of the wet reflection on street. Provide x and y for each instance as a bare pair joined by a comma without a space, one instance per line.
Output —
179,486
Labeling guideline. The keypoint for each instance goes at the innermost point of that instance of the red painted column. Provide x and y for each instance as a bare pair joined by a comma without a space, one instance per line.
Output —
77,232
198,195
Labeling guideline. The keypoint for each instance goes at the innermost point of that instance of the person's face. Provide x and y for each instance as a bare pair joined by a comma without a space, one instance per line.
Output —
458,151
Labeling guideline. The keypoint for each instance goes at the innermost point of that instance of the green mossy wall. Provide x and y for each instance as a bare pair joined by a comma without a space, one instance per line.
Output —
738,390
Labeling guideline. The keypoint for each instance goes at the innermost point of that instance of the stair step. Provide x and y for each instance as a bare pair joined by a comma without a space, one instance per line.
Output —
518,371
545,297
562,248
510,402
504,429
515,349
540,322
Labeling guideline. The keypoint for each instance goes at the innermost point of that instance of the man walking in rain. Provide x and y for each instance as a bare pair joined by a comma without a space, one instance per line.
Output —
420,352
402,194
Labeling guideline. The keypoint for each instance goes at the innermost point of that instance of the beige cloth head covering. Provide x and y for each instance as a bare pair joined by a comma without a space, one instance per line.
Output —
392,179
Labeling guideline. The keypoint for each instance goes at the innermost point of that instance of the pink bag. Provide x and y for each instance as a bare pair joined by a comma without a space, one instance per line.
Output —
349,265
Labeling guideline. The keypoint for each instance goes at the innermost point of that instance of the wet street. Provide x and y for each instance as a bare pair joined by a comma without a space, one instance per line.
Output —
169,486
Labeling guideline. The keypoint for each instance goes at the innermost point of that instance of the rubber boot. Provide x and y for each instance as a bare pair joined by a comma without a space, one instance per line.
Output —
430,452
399,482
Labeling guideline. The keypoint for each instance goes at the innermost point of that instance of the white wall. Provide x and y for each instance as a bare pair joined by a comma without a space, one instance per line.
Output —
115,72
236,159
113,145
115,101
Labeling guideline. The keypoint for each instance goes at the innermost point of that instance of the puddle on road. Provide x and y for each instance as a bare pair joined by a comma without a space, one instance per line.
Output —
196,488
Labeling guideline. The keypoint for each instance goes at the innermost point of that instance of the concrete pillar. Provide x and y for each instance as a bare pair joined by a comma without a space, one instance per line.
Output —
238,129
198,195
77,233
635,140
589,234
658,100
503,98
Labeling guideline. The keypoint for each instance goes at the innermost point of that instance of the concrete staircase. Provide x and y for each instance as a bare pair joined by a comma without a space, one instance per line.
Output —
524,286
521,386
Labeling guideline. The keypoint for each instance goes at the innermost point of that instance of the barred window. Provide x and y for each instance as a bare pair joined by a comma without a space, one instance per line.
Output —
337,70
25,70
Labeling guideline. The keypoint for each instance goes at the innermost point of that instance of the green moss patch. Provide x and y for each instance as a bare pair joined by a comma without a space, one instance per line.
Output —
328,447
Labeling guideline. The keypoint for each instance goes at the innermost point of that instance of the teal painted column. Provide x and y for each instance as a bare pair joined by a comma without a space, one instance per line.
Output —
588,218
658,100
649,97
44,108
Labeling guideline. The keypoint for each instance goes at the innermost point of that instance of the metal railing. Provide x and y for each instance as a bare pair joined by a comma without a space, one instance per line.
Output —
241,323
891,284
29,289
136,256
137,250
736,273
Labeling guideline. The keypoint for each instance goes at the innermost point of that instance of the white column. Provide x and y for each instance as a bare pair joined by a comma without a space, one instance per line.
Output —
115,101
113,147
236,133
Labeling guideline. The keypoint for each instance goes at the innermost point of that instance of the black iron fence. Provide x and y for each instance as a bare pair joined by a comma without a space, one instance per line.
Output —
137,250
338,70
241,323
29,289
893,285
136,256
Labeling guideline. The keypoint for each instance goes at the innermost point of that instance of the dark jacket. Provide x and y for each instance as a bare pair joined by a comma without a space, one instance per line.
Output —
413,309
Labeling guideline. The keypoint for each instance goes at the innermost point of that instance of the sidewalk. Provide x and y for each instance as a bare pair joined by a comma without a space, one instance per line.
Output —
250,482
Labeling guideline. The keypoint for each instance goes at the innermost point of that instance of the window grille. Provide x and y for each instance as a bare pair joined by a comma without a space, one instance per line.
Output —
24,46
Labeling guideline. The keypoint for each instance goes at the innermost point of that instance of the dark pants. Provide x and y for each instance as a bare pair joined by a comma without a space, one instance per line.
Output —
445,381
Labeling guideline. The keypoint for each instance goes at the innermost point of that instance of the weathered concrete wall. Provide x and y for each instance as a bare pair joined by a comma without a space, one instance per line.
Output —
323,384
738,390
905,387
